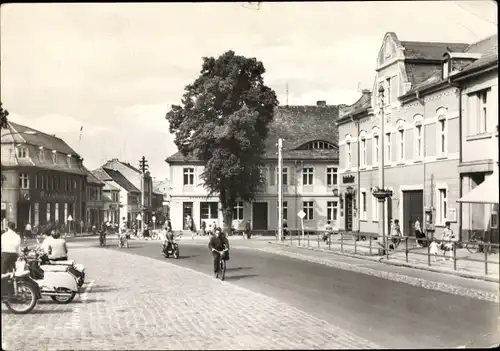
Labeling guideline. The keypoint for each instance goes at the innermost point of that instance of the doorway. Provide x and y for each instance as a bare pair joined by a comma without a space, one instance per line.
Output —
413,208
23,214
259,216
187,209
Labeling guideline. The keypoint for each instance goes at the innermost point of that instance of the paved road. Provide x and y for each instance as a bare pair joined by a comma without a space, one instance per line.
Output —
388,313
135,302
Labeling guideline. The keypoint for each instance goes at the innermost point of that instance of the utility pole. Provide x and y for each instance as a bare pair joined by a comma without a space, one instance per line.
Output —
280,188
381,220
287,94
143,166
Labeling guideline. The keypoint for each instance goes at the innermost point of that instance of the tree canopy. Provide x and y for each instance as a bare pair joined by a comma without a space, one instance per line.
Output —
223,121
3,115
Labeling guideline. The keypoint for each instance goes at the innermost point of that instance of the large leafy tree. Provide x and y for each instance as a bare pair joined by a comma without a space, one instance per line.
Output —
223,121
3,115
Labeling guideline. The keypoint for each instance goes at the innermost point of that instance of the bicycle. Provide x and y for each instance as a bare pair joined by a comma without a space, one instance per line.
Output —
475,243
222,265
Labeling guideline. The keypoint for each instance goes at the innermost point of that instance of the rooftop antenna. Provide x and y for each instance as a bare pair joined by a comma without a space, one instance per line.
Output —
80,137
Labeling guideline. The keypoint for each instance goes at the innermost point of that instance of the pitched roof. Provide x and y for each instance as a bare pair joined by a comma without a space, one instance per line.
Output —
92,179
489,58
362,104
126,164
419,50
39,138
484,45
297,125
121,180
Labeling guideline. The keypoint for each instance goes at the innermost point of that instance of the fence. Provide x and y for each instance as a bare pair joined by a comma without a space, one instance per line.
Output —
370,244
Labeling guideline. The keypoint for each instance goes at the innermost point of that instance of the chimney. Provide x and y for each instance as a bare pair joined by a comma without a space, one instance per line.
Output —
365,91
321,103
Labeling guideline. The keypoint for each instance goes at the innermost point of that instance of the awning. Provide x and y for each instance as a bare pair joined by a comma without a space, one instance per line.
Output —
484,193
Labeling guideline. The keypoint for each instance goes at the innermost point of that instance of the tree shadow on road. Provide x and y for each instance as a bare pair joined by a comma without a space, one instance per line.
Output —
237,269
192,256
238,277
102,289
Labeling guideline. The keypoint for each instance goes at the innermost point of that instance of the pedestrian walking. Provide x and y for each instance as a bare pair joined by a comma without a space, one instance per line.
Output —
247,230
189,225
203,227
434,248
11,248
328,231
418,233
395,235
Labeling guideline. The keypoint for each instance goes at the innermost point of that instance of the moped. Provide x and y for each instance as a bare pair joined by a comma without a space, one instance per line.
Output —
20,293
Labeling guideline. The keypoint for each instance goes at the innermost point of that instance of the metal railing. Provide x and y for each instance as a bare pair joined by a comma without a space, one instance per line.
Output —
372,245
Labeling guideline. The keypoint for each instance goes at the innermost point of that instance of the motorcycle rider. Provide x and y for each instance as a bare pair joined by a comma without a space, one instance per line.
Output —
11,248
122,235
169,238
58,251
217,243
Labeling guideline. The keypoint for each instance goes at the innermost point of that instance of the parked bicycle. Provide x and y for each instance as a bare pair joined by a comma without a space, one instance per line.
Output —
475,243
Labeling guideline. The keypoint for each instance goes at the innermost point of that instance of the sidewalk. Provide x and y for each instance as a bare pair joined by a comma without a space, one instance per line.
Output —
417,257
152,304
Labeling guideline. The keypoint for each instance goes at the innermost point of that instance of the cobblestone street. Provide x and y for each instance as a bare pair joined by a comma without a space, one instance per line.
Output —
137,302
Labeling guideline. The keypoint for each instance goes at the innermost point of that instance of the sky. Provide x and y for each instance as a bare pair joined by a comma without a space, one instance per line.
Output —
115,69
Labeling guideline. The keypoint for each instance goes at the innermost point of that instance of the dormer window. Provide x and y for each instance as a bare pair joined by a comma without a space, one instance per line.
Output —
318,145
22,152
446,68
41,153
69,160
54,156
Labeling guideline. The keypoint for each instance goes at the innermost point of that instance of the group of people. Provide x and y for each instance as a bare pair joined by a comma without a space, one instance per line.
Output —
53,245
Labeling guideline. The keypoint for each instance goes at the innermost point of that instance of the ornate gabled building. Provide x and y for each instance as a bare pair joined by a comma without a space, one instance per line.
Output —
44,178
310,162
421,109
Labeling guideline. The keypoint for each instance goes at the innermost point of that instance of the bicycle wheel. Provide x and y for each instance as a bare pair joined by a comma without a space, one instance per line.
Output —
472,246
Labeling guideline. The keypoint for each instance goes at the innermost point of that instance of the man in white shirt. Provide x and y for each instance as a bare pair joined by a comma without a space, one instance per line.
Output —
11,248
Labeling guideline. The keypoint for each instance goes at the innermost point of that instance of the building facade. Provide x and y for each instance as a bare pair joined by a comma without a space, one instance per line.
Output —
44,179
310,163
134,176
421,148
111,199
478,168
94,201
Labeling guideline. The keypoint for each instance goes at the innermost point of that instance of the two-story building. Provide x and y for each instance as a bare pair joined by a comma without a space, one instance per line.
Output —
44,178
134,176
421,148
478,168
111,199
94,201
310,163
130,196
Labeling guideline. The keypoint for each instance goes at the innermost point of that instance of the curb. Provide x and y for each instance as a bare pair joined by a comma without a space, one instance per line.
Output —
398,264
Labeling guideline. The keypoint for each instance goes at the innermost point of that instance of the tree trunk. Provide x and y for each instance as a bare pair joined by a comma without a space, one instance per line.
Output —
227,215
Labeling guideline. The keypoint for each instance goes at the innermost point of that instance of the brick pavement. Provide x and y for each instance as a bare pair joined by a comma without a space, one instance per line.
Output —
417,257
141,303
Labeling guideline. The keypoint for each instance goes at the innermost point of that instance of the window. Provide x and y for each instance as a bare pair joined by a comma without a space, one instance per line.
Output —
24,181
331,176
307,176
388,94
56,212
54,156
53,183
442,205
74,184
66,213
442,137
363,151
188,176
37,214
42,181
375,208
238,211
363,205
331,210
308,208
348,154
482,112
318,145
375,149
285,210
48,212
401,144
285,175
41,153
209,210
418,141
388,154
22,152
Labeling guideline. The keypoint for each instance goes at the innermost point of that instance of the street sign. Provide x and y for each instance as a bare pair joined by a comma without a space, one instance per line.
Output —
153,218
139,217
4,206
301,214
70,218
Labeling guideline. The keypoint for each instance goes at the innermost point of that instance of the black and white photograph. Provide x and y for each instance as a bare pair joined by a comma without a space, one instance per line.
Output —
249,175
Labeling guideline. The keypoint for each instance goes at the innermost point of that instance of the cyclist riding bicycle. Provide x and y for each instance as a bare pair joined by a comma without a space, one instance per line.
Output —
169,238
218,243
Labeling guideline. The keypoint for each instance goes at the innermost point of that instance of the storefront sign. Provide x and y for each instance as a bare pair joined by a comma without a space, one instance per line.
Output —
452,215
57,197
348,179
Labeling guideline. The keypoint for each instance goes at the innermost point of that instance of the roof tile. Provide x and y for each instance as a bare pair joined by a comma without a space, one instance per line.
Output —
121,180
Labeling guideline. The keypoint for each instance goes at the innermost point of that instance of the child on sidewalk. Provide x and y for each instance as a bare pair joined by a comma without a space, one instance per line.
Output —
434,249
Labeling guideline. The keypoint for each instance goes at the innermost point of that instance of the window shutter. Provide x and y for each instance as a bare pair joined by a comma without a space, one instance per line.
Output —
272,175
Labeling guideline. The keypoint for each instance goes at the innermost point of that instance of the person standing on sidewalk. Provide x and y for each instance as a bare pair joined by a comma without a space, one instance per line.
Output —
447,240
11,248
418,233
27,231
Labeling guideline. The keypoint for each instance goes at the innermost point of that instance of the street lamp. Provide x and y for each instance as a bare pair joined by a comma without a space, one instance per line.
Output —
335,192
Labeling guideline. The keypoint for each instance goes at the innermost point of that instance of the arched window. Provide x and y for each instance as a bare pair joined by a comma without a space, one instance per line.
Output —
376,145
348,153
362,145
442,131
317,145
400,125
